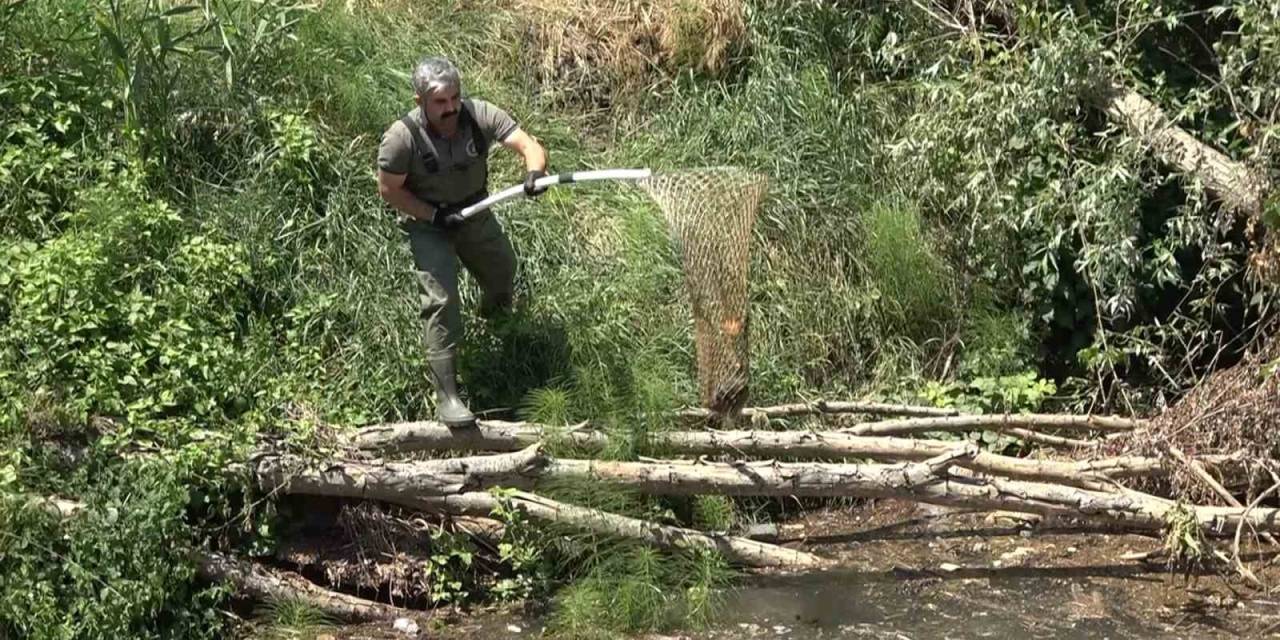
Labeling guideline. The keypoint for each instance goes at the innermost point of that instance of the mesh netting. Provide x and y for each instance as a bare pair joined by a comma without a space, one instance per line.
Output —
711,213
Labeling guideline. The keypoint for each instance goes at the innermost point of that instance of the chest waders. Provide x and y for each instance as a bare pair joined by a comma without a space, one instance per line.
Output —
449,406
438,297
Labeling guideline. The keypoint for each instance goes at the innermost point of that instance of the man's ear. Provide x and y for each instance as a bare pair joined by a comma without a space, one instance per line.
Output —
417,99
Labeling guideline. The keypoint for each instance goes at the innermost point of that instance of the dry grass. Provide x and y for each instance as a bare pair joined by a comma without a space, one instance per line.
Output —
603,52
1234,411
1264,262
379,554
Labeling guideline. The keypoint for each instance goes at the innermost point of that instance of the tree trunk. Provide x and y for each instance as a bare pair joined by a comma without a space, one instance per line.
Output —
426,478
511,436
1239,188
828,407
736,550
401,483
260,583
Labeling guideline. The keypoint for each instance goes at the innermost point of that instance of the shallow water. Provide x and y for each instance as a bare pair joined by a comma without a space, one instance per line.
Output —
860,605
959,577
901,606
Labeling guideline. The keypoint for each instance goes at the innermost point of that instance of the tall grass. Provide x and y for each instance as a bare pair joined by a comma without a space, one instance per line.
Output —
914,287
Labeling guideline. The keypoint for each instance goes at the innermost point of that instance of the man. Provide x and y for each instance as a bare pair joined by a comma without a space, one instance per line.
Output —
432,163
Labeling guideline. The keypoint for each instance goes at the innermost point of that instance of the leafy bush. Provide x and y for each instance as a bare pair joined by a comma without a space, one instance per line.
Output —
117,569
128,313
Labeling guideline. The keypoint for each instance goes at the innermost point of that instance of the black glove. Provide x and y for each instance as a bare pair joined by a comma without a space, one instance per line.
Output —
529,189
447,218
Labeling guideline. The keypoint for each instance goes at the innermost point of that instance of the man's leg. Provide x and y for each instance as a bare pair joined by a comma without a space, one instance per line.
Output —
486,252
436,268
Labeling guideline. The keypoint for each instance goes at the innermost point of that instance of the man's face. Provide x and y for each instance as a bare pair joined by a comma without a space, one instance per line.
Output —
441,107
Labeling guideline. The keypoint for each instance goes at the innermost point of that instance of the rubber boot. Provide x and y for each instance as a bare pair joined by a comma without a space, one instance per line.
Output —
450,409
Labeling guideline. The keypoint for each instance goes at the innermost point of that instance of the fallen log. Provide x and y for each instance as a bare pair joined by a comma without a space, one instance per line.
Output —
1241,189
260,583
995,422
736,550
426,478
512,436
402,482
435,484
486,435
818,407
896,481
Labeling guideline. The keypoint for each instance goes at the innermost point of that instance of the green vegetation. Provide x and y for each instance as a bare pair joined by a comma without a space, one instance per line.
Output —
193,255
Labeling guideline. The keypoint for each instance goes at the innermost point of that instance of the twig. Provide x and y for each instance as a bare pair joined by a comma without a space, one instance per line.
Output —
1051,440
1235,543
1199,471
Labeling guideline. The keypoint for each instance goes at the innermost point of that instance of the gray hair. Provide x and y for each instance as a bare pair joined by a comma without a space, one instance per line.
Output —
435,73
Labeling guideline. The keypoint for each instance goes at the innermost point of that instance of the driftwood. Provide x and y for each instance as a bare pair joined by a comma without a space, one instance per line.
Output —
410,436
402,483
258,582
512,436
734,549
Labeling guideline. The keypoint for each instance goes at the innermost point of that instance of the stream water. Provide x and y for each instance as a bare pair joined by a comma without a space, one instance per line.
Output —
851,605
843,605
957,578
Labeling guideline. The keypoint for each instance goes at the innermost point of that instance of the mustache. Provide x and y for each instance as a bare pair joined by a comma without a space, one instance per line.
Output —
448,114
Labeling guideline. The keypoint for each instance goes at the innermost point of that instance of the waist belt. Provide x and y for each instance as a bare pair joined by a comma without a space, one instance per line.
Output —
464,202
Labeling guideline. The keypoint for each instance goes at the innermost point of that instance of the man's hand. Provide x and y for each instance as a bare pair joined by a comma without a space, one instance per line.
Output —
447,218
529,188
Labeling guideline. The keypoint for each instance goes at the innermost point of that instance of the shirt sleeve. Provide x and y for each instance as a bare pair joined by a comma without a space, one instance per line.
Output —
395,151
496,124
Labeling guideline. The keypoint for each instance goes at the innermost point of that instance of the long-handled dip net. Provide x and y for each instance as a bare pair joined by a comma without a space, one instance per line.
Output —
710,212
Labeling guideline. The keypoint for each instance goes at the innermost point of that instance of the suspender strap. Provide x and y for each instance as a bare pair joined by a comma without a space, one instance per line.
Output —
420,144
427,151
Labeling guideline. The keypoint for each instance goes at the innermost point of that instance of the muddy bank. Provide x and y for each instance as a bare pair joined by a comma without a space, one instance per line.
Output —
912,571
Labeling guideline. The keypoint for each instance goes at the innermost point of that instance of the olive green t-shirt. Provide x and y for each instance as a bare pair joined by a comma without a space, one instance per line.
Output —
460,170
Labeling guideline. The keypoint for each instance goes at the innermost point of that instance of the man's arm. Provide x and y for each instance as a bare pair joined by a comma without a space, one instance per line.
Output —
391,188
535,156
